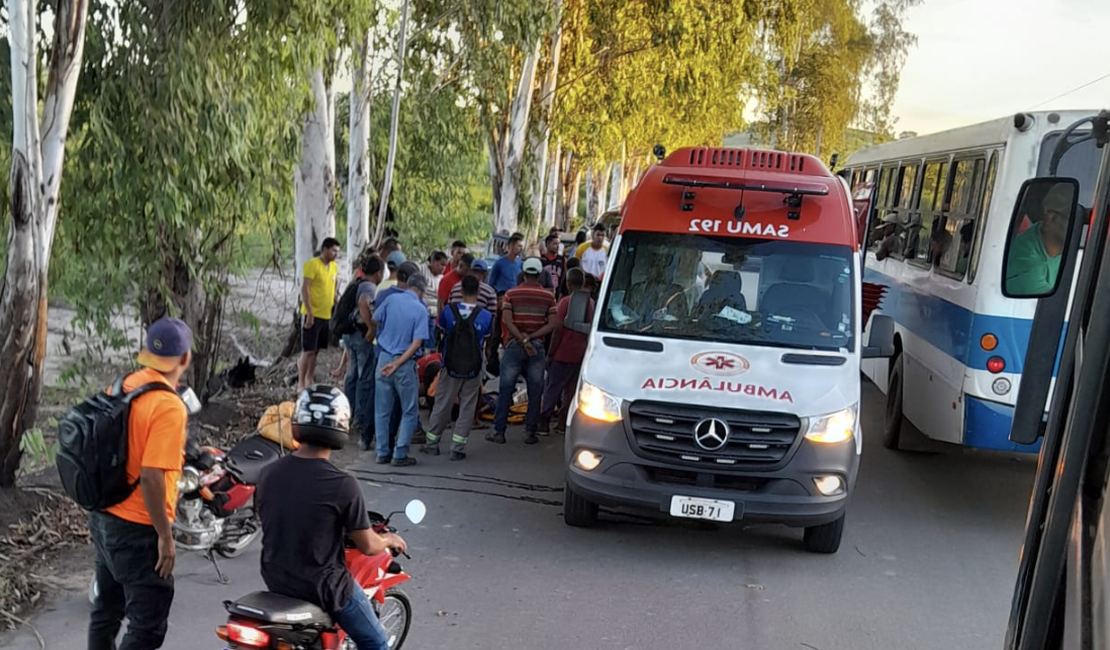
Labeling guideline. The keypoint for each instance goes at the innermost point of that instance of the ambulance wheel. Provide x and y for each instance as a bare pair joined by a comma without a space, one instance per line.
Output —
824,538
577,510
895,419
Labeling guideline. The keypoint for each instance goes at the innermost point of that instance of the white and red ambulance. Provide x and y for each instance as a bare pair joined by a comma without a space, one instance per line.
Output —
722,377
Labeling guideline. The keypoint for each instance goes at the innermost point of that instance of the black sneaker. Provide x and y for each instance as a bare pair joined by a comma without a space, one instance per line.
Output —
499,438
458,455
430,450
384,460
404,462
530,439
363,445
544,426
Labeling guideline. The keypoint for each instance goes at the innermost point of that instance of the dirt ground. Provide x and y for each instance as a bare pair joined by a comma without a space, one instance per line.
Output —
44,549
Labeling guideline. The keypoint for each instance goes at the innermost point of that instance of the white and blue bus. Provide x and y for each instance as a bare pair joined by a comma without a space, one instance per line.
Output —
935,211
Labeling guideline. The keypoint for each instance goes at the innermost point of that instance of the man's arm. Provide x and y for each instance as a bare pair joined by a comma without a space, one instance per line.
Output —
549,326
510,326
306,286
367,316
392,366
370,543
152,483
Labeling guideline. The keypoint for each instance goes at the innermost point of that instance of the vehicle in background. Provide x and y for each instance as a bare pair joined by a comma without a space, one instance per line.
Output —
722,375
934,211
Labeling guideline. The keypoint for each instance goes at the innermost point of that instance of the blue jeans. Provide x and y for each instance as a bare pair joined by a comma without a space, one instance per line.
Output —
361,624
402,385
359,385
514,363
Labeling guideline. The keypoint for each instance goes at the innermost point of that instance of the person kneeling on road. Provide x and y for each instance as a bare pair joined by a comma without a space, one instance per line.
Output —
307,505
466,325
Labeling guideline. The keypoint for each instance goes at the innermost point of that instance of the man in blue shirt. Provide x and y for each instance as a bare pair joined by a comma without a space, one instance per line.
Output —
461,375
402,328
508,266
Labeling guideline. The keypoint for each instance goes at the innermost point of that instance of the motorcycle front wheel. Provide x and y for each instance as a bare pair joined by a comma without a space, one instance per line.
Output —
395,615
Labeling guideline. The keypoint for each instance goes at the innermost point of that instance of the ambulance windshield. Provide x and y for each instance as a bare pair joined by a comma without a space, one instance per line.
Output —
747,291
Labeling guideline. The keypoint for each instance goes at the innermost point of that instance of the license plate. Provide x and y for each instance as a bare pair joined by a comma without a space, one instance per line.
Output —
710,509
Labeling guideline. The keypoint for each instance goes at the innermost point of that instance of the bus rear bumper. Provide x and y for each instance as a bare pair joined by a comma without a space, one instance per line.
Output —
987,426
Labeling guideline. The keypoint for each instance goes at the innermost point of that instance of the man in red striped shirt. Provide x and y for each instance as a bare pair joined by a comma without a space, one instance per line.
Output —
527,316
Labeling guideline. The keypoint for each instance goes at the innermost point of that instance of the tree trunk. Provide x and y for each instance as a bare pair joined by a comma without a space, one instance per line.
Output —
571,183
34,183
601,189
551,198
592,198
391,158
314,179
616,183
541,140
508,210
358,180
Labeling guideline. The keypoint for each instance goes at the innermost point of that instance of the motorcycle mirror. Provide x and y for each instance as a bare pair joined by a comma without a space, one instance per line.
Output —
415,511
192,403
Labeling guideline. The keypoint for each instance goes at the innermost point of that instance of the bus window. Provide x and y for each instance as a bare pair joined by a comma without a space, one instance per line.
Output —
1080,162
907,176
931,238
967,181
984,209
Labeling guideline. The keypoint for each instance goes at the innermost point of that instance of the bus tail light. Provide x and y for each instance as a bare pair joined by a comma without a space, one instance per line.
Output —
988,342
996,364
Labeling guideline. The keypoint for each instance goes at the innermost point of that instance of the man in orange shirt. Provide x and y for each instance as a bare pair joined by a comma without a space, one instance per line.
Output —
134,539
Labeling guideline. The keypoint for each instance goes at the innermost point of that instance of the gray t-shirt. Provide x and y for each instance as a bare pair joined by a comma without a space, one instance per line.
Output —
369,290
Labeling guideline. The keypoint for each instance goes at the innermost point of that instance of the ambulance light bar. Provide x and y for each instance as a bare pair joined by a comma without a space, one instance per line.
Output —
793,199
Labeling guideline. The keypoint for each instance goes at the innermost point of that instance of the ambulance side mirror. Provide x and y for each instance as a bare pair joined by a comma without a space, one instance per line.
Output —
577,311
1040,231
880,342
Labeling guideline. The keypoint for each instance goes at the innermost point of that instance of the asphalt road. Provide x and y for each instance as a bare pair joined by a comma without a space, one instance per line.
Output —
928,560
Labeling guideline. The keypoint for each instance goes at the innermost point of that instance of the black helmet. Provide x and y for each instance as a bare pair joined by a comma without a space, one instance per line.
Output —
322,417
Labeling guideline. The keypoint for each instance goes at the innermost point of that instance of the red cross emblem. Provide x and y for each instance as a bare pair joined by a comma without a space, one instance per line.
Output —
720,362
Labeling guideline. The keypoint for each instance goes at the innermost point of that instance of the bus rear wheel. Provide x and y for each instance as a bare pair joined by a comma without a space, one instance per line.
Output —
894,419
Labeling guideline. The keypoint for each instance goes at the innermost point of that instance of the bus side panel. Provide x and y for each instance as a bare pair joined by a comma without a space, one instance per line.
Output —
932,400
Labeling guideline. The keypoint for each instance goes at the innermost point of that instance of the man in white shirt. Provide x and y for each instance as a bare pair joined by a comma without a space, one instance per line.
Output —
595,257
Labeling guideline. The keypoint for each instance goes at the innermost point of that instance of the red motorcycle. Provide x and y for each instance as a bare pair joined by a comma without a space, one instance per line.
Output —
267,620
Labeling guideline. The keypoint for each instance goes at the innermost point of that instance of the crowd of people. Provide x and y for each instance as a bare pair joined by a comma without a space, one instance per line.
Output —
476,319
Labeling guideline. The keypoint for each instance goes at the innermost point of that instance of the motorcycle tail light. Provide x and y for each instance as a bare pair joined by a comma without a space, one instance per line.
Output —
330,641
247,635
221,632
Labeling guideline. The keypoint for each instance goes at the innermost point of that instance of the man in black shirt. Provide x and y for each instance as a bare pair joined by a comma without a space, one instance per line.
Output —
307,506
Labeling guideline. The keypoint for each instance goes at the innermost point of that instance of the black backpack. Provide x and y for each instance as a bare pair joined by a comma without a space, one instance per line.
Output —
464,345
92,447
343,319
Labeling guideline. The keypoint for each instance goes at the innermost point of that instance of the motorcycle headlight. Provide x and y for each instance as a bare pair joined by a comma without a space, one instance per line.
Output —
189,481
834,427
599,405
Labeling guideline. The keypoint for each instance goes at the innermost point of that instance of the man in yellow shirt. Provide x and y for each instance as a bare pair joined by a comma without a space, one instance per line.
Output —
318,295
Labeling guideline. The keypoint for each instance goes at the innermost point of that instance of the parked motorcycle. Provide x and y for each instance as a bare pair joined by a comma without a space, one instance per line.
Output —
215,504
268,620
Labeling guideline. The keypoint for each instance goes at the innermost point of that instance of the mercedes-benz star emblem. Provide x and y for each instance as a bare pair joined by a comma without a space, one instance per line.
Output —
711,434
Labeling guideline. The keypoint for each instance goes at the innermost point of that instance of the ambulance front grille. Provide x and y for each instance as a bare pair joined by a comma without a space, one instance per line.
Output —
665,432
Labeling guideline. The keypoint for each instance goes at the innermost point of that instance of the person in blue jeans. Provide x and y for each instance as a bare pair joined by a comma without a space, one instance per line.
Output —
528,315
402,327
306,561
359,384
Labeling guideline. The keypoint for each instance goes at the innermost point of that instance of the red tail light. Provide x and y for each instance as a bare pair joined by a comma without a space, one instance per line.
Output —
996,364
247,635
330,640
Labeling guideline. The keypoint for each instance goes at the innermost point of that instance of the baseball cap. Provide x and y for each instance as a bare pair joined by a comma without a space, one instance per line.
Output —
406,271
395,259
167,340
417,283
480,265
533,266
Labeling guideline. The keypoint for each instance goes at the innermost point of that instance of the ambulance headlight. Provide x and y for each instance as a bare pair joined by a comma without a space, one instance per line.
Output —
834,427
599,405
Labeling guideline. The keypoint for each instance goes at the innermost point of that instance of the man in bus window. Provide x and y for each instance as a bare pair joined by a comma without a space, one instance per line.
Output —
1034,257
887,236
964,256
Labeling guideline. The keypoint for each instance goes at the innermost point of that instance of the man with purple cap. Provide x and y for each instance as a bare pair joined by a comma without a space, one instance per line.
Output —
134,538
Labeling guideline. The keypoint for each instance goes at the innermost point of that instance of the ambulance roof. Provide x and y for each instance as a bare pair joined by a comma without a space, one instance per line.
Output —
742,193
